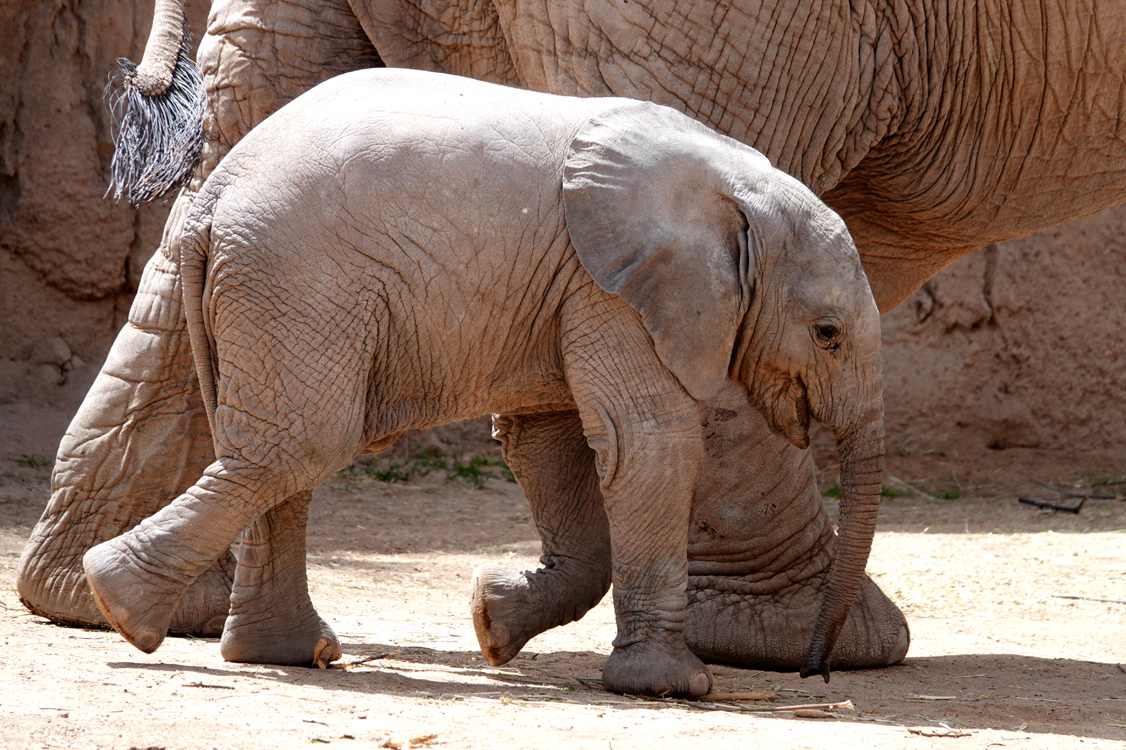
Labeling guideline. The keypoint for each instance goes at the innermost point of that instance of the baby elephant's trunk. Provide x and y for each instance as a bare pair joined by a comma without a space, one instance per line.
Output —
861,447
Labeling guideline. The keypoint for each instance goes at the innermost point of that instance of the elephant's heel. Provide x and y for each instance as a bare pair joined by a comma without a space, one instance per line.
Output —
138,604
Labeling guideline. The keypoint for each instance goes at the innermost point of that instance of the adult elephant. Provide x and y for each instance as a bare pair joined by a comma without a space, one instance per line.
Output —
933,127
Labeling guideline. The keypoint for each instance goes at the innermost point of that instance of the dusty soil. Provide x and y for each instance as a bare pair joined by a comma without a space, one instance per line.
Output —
1017,615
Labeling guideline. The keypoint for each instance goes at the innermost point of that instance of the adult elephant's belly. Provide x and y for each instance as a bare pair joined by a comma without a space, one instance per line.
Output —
759,551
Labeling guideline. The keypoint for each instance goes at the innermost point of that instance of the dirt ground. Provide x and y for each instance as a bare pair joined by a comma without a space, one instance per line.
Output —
1018,619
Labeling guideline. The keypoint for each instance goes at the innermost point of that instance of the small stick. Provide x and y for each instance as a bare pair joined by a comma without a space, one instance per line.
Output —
374,657
802,707
1090,599
754,695
946,731
1052,506
205,685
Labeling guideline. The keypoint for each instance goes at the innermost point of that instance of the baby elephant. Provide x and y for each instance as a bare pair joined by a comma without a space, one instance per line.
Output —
397,249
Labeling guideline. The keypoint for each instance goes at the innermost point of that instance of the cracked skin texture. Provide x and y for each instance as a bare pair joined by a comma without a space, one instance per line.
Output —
933,127
328,289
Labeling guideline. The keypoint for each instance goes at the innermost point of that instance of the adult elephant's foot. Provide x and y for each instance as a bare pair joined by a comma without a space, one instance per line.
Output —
289,639
772,630
504,613
510,608
654,667
136,602
555,467
202,610
272,619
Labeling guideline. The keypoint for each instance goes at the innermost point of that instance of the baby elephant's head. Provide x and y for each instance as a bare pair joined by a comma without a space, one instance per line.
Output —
738,271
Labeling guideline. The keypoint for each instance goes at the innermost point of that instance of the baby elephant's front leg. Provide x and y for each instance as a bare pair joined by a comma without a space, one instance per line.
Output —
645,432
648,487
554,465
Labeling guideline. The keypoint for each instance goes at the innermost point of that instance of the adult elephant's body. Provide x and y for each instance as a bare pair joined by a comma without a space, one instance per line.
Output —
934,128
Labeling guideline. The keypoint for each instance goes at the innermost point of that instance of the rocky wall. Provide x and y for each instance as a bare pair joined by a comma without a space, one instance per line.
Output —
1019,345
70,259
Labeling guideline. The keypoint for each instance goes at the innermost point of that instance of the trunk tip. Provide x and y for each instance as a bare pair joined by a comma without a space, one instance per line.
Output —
815,665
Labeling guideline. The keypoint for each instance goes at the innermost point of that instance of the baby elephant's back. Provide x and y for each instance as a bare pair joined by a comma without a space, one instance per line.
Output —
393,161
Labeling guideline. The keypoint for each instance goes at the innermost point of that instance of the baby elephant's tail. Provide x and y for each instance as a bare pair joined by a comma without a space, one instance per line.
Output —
195,241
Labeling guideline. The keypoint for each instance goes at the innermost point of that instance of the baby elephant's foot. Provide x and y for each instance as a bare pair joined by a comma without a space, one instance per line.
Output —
658,669
504,614
306,641
137,602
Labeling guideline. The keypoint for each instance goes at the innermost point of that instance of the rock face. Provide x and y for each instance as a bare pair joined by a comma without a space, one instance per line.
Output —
1018,345
69,259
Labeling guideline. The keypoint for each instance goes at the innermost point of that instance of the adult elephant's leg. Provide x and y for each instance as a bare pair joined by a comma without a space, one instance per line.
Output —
141,438
760,544
272,619
551,460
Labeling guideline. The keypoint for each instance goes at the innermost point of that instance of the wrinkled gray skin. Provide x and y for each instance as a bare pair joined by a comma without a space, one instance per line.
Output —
933,126
369,261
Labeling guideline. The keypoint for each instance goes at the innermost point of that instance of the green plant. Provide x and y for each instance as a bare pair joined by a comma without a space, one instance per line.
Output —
390,474
475,470
832,492
32,462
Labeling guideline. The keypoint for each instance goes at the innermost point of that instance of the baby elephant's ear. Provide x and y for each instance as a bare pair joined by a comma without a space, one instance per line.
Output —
650,212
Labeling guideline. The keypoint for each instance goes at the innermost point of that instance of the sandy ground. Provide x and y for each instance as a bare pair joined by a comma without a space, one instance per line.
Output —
1011,645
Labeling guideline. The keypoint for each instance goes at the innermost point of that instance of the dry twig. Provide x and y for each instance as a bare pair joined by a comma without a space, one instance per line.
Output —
754,695
847,705
945,731
366,659
914,489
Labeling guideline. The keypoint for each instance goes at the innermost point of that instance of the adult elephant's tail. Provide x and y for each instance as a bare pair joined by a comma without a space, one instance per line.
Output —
156,109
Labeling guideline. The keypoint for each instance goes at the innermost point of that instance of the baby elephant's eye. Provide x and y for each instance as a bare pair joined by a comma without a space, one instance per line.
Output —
826,334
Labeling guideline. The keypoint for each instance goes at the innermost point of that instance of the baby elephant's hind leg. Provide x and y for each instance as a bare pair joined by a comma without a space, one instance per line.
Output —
555,467
138,578
272,618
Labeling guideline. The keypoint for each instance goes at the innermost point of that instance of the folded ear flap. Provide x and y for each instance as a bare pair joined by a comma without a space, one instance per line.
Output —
649,206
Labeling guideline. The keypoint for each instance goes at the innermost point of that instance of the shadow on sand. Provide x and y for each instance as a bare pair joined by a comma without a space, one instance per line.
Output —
1012,693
